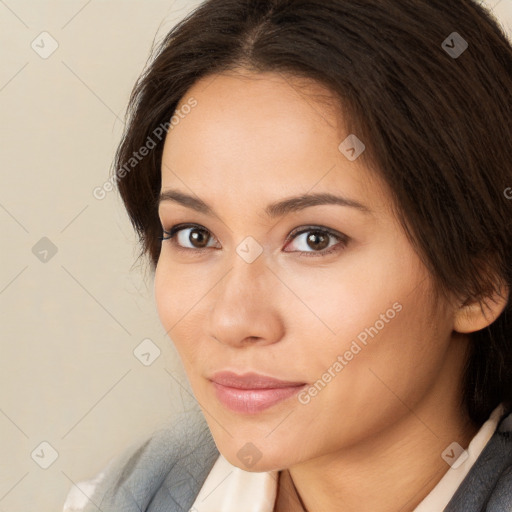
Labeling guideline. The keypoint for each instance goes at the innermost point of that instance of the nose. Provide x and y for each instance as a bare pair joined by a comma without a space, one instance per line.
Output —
246,306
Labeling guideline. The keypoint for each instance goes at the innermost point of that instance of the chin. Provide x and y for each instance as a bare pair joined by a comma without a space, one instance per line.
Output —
255,456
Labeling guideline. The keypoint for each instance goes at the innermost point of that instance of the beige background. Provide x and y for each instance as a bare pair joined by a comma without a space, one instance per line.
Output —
70,325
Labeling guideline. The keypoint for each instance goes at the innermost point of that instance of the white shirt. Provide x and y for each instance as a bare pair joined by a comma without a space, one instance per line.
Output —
228,488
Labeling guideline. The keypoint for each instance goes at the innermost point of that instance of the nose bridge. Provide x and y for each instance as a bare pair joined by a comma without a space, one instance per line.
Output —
247,272
243,307
248,260
244,284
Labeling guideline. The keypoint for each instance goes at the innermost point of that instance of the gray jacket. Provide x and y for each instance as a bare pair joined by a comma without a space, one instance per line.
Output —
166,472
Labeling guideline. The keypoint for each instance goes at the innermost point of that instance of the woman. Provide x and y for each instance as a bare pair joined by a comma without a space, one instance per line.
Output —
321,188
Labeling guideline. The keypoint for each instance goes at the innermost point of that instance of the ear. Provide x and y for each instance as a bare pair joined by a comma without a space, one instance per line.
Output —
472,316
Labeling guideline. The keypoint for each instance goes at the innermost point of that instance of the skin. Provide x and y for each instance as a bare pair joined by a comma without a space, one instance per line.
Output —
372,438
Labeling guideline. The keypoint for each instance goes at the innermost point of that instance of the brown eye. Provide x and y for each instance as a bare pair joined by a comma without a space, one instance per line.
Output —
186,236
315,241
198,237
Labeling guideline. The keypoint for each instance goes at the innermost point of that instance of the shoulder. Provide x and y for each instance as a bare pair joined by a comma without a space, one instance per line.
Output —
501,497
166,470
488,485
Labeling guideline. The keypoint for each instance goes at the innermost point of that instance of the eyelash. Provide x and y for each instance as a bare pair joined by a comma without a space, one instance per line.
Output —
343,239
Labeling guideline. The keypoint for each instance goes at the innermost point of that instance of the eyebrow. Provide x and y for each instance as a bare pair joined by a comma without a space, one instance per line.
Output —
276,209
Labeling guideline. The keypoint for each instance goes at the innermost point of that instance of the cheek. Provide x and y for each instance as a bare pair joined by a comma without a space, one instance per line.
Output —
357,389
177,291
179,287
372,328
165,288
346,297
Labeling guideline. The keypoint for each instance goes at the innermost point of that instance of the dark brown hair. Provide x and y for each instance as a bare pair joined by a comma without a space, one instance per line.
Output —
436,126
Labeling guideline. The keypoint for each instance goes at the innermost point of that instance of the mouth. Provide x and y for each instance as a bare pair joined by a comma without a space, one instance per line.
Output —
252,393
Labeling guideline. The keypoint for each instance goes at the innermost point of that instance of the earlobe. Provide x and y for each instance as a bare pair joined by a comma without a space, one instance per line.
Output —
473,316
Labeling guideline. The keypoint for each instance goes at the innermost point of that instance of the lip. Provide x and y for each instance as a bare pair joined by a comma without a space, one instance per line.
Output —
251,393
251,380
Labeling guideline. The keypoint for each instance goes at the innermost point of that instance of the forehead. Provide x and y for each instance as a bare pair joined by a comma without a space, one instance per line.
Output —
278,90
260,135
241,105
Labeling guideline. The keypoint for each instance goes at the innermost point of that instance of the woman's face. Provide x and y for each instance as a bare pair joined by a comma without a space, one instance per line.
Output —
327,295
